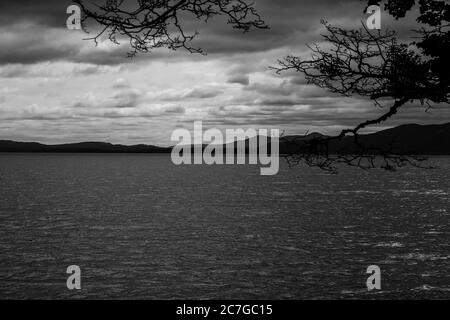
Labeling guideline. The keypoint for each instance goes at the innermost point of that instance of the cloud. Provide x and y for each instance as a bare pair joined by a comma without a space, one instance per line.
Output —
198,93
53,70
45,12
243,79
126,99
121,84
175,110
38,112
56,86
203,93
35,31
275,89
30,43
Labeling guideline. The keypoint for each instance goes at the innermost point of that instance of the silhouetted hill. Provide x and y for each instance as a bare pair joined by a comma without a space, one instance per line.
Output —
411,139
406,139
84,147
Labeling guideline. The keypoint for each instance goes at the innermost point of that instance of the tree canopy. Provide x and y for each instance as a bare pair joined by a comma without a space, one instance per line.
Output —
380,67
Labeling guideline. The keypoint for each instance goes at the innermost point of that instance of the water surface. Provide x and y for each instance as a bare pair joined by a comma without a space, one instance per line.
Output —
140,227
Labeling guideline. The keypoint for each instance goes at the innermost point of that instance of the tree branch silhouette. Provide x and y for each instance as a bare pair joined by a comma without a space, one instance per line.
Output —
151,24
375,65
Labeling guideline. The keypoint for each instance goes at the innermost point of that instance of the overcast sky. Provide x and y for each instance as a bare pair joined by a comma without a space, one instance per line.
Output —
55,87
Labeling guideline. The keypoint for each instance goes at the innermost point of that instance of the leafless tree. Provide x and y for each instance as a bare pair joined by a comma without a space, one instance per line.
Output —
371,64
151,24
359,62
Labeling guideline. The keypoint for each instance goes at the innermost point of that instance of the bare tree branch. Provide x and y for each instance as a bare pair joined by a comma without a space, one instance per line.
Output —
365,64
151,24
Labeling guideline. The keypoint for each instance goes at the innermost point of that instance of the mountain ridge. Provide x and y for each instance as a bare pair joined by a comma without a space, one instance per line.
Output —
409,138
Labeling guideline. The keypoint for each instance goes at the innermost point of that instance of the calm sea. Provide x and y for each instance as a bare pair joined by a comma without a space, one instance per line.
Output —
140,227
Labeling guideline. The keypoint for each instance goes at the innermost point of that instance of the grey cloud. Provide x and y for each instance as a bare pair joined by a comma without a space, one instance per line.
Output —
121,84
46,71
29,43
283,89
298,80
126,99
203,93
33,32
45,12
206,92
243,79
175,110
278,102
292,23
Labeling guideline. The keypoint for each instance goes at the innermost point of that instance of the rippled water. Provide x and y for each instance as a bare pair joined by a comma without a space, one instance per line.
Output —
141,228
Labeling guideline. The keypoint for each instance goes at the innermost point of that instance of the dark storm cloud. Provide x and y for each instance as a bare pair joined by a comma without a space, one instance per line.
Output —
28,43
43,12
237,87
291,21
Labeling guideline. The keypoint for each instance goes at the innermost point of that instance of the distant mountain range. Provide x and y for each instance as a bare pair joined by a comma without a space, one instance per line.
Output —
411,139
406,139
83,147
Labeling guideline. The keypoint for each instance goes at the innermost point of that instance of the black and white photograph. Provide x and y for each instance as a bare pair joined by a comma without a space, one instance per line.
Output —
243,151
